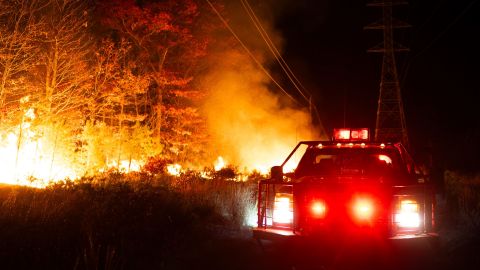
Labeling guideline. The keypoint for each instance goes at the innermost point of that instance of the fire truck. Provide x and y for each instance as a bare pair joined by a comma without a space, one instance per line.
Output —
350,187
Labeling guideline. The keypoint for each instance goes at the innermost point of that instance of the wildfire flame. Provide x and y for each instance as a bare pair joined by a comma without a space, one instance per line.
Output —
249,125
219,164
25,157
30,157
127,166
33,156
174,169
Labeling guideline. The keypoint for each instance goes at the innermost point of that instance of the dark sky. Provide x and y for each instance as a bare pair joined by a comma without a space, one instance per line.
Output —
325,44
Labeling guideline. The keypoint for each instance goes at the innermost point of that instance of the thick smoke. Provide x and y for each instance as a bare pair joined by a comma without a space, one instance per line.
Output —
252,124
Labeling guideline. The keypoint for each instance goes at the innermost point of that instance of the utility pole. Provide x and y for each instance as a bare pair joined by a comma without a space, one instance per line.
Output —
390,125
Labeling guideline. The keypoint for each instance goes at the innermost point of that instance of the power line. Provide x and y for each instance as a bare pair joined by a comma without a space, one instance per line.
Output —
285,67
271,46
248,51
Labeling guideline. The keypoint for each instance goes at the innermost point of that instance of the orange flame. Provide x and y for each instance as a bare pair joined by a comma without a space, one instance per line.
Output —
174,169
35,157
219,164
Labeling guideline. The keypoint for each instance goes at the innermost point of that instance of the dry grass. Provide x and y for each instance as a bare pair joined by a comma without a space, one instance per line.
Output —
117,221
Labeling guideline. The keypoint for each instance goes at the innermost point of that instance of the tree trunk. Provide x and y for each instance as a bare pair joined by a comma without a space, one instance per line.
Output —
159,103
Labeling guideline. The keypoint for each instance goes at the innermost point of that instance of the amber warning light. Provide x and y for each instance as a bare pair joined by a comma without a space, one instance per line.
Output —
348,134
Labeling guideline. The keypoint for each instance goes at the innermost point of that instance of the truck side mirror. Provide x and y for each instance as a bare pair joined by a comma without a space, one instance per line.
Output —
276,173
421,174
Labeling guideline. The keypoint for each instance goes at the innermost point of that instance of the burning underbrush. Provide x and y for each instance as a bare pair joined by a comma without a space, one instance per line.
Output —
36,154
121,221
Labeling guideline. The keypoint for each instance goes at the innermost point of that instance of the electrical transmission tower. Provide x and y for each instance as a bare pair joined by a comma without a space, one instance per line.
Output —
390,125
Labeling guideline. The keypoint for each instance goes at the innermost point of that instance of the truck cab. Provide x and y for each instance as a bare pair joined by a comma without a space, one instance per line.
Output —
348,187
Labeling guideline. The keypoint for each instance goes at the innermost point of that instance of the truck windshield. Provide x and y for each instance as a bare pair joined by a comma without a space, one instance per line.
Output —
367,162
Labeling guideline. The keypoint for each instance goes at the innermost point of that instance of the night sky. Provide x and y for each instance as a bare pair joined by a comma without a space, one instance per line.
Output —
325,44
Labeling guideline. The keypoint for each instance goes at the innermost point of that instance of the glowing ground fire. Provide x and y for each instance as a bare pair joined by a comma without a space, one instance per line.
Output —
31,157
34,156
24,156
20,162
219,164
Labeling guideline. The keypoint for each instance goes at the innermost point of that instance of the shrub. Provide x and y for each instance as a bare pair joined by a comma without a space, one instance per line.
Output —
463,199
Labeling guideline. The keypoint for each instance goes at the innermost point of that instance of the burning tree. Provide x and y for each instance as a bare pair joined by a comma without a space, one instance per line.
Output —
115,107
63,83
18,27
90,85
44,60
60,77
166,42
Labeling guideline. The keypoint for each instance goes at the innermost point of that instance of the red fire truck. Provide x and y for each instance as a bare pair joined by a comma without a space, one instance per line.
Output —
350,187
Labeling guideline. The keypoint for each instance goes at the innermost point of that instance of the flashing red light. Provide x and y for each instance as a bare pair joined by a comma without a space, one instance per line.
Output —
341,134
318,209
359,134
363,209
347,134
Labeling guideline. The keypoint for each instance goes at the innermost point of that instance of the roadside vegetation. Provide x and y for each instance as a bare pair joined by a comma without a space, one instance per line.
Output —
152,220
459,219
123,221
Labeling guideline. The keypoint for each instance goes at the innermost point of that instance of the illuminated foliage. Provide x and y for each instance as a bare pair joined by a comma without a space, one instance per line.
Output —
18,28
60,77
106,83
165,39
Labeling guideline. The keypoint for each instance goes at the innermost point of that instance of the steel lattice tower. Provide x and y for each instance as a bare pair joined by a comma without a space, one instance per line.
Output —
390,124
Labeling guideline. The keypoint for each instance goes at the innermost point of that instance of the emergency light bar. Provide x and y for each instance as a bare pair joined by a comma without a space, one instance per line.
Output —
348,134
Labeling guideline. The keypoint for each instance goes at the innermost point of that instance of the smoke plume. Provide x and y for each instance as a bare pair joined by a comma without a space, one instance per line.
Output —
252,124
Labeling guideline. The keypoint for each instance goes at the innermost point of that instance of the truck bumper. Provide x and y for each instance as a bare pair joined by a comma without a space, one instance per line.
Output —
273,234
282,234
